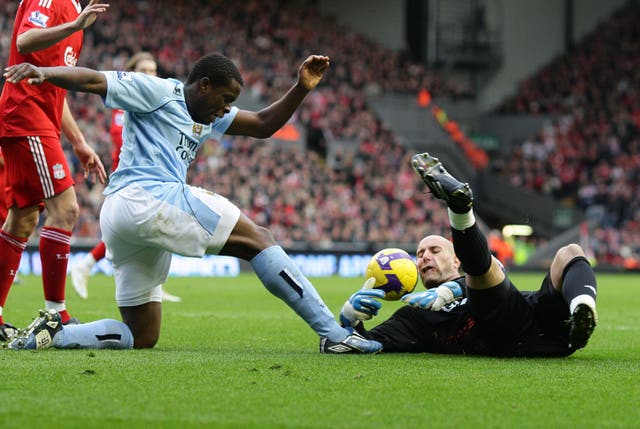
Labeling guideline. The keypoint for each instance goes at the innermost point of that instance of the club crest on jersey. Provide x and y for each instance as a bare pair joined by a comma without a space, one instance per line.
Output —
126,76
38,18
70,57
196,130
58,171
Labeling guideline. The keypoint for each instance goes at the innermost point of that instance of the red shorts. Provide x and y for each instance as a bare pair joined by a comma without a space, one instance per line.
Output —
35,169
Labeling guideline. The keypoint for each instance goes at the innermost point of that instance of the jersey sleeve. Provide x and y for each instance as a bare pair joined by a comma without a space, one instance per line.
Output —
37,14
135,92
221,125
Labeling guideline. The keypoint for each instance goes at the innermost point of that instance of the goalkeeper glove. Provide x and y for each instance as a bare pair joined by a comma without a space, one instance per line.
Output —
435,298
361,305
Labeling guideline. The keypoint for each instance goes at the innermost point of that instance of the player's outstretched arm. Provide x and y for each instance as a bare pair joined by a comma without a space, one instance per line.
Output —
267,121
36,39
71,78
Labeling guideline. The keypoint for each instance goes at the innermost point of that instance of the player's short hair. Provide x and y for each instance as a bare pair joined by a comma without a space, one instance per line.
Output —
218,68
134,60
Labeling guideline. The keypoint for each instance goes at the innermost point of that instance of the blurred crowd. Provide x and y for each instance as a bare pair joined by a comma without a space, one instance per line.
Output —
367,195
589,156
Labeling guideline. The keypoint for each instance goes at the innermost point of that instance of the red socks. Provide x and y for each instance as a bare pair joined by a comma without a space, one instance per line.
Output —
99,251
10,253
55,246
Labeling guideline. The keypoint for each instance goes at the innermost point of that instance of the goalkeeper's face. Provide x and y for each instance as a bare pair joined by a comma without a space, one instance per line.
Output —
437,261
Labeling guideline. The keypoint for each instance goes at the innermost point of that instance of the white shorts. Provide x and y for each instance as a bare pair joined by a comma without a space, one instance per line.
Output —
143,227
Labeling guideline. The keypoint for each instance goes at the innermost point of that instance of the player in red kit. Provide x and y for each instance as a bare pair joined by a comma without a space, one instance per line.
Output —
3,193
142,62
45,33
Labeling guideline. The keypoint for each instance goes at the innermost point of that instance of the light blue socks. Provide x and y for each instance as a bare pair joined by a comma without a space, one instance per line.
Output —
101,334
282,278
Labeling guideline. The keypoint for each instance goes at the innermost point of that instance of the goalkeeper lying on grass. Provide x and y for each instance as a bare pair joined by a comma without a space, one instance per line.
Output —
481,313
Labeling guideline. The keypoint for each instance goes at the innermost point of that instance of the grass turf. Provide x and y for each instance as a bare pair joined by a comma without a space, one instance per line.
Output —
232,356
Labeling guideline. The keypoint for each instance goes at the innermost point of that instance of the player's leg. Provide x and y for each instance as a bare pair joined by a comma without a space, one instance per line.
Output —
138,291
137,268
572,275
140,265
144,322
37,172
234,234
471,246
55,247
22,216
48,331
14,235
281,276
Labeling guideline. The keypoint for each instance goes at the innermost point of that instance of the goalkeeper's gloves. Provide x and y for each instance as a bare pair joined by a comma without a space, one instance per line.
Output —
435,298
361,305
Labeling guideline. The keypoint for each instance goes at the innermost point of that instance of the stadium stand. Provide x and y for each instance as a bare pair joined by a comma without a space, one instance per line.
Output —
323,205
589,156
365,194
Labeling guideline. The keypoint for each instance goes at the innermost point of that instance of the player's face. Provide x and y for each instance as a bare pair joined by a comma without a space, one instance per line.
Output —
214,101
147,67
436,261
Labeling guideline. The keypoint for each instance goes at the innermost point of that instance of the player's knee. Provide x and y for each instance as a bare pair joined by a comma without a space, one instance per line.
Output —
265,237
144,341
568,252
64,217
563,257
144,337
260,238
21,224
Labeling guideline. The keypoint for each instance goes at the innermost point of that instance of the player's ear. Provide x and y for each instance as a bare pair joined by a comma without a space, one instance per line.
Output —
456,263
204,84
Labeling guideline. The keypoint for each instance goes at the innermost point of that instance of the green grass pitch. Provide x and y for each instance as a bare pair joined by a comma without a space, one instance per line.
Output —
232,356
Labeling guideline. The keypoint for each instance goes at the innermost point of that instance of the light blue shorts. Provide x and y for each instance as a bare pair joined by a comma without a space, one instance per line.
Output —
143,227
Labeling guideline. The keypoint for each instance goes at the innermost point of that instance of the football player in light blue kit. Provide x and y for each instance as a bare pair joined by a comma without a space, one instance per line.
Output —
150,212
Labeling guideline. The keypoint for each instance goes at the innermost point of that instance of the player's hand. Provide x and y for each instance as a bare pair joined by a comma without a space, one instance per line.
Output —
18,72
91,162
362,305
423,299
89,14
435,298
312,70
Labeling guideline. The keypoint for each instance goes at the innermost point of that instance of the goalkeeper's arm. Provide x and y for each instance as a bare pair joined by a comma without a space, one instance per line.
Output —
435,298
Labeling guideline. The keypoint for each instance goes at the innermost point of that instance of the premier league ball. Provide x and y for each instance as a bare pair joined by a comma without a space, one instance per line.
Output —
395,271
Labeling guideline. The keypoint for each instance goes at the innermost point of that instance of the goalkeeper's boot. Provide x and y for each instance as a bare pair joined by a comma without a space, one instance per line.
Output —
39,334
354,343
582,323
7,332
444,186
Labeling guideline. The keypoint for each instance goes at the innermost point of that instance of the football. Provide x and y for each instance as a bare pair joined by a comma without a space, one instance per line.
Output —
395,271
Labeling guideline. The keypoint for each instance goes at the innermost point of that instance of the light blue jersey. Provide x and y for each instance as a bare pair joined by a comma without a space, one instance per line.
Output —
159,138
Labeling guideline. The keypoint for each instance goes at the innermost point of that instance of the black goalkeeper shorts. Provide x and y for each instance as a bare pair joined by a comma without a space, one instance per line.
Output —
515,323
